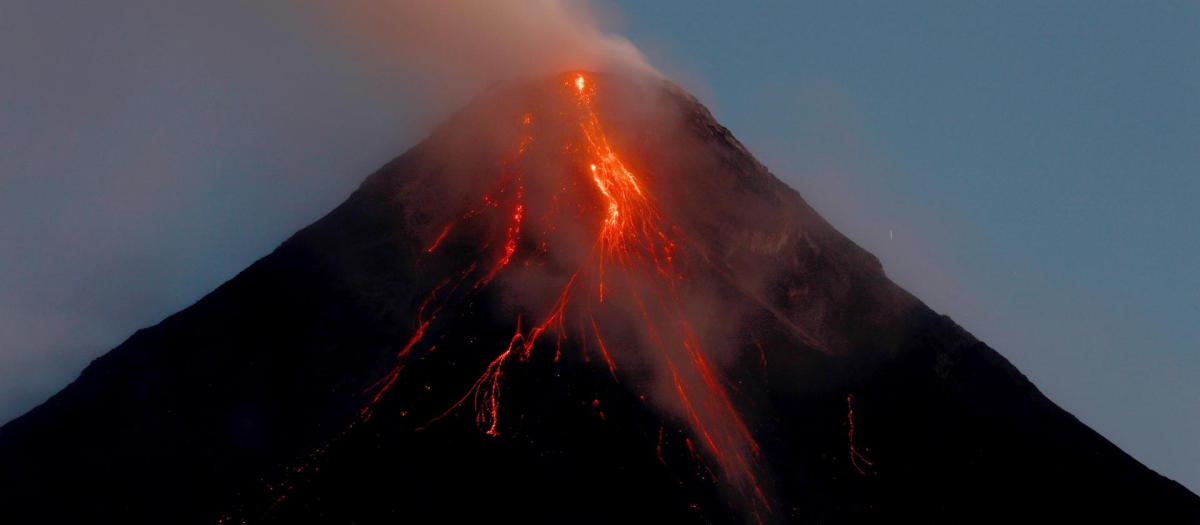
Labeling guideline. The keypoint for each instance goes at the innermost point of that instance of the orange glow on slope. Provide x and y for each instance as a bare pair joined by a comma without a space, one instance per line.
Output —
855,456
635,251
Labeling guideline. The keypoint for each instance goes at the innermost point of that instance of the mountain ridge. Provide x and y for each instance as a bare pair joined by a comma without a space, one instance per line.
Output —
344,289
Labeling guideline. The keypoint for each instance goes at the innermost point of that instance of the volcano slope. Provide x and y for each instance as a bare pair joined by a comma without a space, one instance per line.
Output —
579,300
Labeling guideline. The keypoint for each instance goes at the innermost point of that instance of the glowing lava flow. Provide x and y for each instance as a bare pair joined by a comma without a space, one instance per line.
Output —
639,247
855,456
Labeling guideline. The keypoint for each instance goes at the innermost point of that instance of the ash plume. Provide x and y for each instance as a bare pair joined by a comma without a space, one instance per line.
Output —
459,46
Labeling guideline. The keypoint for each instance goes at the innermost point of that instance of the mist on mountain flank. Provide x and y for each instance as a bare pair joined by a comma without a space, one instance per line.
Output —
580,299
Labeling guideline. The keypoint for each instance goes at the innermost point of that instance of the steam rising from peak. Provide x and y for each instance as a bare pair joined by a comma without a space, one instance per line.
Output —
461,45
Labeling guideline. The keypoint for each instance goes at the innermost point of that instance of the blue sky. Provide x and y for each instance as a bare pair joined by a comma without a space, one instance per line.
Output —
1029,168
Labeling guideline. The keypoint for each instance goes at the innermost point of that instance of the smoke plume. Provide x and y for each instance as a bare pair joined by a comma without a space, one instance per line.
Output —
459,46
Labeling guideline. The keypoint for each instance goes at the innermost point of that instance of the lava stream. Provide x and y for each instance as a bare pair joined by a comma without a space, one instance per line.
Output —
855,456
635,241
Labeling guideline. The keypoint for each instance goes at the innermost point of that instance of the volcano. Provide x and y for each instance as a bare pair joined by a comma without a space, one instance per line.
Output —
580,300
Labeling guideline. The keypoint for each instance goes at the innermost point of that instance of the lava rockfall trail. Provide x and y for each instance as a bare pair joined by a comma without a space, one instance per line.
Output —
634,258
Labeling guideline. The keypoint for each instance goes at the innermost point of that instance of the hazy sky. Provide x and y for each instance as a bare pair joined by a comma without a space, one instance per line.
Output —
1030,169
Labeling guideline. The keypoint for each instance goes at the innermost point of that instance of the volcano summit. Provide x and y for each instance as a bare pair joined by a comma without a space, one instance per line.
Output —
579,300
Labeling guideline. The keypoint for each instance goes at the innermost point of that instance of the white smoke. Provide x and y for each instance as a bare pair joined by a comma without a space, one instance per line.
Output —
458,46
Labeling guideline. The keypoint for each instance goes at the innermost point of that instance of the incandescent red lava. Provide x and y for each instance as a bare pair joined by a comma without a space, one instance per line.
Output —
855,456
632,258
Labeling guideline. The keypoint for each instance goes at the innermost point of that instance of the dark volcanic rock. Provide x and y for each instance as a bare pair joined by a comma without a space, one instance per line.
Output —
218,410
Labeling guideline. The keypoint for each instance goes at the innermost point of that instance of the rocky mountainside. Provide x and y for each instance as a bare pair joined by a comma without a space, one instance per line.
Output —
579,300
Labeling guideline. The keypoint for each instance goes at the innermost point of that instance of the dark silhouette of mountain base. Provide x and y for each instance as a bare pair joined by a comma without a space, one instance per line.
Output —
248,406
